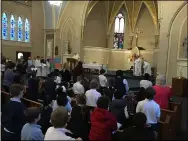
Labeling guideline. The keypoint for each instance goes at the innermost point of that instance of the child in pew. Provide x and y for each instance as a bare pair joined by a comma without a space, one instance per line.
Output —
59,119
103,123
31,130
150,108
13,117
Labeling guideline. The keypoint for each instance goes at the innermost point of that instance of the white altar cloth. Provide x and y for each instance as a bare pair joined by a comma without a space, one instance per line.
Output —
94,66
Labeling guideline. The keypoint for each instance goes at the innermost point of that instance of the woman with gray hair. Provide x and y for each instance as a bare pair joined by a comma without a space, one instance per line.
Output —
163,92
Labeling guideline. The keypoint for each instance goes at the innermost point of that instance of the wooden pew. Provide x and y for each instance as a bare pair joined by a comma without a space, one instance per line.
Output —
28,103
165,132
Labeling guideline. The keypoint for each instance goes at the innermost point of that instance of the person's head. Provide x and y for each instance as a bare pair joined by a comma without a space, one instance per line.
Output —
16,90
59,117
160,80
29,58
80,64
103,102
79,79
119,73
48,60
11,65
33,114
47,100
150,93
118,95
38,57
62,99
139,119
81,99
146,76
94,84
102,71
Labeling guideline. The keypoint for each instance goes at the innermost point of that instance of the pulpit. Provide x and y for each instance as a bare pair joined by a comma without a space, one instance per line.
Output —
180,86
72,63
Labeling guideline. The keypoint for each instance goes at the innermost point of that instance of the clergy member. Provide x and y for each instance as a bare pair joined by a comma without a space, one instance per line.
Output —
147,67
137,66
38,66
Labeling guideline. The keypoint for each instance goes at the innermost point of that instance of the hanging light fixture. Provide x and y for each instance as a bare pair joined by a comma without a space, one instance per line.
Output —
57,3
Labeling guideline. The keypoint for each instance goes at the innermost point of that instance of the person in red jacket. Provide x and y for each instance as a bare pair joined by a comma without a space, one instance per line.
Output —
103,123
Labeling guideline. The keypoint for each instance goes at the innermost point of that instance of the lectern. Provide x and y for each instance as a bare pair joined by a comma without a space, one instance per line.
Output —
72,63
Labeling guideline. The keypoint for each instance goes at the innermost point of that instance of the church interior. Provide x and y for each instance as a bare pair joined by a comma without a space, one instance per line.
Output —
109,35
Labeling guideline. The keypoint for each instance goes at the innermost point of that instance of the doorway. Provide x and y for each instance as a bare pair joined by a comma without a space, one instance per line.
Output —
22,54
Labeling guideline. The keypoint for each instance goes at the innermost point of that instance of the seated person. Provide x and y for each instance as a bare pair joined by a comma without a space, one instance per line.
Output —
13,117
92,95
117,108
31,130
137,132
121,84
45,113
150,108
103,123
59,119
102,79
163,92
146,82
80,117
78,88
61,100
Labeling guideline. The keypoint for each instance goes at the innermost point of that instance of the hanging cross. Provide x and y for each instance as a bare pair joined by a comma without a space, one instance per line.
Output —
137,33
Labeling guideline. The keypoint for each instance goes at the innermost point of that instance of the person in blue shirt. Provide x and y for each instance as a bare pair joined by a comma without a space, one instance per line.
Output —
31,130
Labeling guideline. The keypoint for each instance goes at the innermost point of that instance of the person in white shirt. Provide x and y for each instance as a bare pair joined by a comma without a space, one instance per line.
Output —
38,66
102,79
137,67
147,67
59,119
78,88
92,95
57,78
150,108
145,83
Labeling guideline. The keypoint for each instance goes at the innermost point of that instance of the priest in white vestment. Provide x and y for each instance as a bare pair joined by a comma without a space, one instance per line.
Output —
38,66
147,68
137,67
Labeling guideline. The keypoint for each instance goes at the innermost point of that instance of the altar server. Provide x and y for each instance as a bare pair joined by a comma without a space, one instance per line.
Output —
38,66
43,67
137,66
147,68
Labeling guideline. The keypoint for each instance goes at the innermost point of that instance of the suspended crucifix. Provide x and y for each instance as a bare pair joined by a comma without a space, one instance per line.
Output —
136,35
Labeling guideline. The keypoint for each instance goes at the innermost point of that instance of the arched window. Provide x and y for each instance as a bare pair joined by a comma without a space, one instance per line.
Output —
119,31
4,26
20,27
12,27
27,29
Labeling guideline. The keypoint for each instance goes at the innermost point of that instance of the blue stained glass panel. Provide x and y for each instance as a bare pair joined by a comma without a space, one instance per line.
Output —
12,28
4,26
27,30
20,27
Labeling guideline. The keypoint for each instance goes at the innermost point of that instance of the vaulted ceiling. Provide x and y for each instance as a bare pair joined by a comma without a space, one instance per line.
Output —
111,9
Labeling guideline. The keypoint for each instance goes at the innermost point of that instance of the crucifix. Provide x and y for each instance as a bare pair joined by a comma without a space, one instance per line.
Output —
136,36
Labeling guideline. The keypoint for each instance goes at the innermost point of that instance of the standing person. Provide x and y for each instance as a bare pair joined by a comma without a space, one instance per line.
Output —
150,108
43,68
9,76
65,73
13,117
147,67
30,61
138,131
121,84
92,95
163,92
80,118
137,66
78,71
31,130
38,66
48,67
146,82
78,88
103,123
102,80
59,119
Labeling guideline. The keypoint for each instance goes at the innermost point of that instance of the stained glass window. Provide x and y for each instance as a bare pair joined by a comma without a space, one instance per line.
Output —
27,29
12,27
4,26
119,31
20,27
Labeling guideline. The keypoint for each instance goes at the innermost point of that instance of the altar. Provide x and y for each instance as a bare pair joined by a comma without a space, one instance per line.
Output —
94,66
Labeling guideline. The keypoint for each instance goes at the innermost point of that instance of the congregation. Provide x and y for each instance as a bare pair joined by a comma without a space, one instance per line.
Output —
77,107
